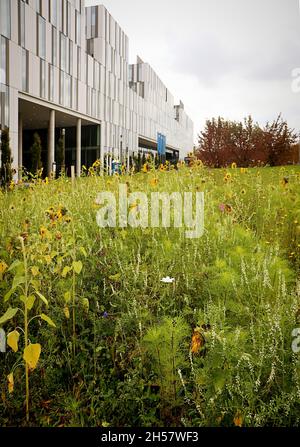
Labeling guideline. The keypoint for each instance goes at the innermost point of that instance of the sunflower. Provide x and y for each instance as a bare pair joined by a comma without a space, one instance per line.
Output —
44,233
154,182
3,267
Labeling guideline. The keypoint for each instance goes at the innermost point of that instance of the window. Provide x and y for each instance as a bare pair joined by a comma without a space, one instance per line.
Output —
94,103
70,57
53,11
63,52
60,14
43,79
4,105
61,87
51,83
41,37
68,91
24,70
78,28
5,18
21,23
54,46
78,63
94,13
88,99
75,93
69,17
3,60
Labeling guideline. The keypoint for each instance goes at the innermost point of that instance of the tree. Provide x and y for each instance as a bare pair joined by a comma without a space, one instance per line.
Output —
278,140
36,154
211,142
60,153
6,172
246,143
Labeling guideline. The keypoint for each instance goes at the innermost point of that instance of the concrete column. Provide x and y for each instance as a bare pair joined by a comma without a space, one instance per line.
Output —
20,146
51,142
78,147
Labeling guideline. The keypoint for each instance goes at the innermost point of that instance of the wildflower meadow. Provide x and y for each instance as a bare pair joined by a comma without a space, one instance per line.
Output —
144,327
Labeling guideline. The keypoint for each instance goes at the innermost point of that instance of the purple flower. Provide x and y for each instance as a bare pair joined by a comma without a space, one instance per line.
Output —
222,207
105,315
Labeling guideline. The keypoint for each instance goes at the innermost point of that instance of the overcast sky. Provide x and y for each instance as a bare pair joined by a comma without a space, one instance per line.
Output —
220,57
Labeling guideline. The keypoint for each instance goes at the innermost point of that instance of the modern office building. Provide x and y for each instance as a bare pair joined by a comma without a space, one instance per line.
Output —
64,70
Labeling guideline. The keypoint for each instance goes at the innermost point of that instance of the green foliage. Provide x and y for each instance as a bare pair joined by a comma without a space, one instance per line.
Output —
36,154
6,173
165,344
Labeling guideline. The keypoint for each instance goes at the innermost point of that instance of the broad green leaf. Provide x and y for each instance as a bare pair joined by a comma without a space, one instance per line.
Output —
9,314
10,380
65,271
48,320
77,265
42,297
83,251
29,301
219,381
32,354
18,280
13,340
8,295
67,297
14,265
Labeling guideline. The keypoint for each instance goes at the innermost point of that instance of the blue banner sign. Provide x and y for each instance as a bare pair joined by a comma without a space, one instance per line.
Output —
161,144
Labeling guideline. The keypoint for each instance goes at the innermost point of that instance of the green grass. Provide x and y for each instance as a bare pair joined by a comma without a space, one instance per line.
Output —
120,353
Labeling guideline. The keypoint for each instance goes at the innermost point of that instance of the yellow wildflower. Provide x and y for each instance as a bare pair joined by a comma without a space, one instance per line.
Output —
44,233
3,268
154,182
